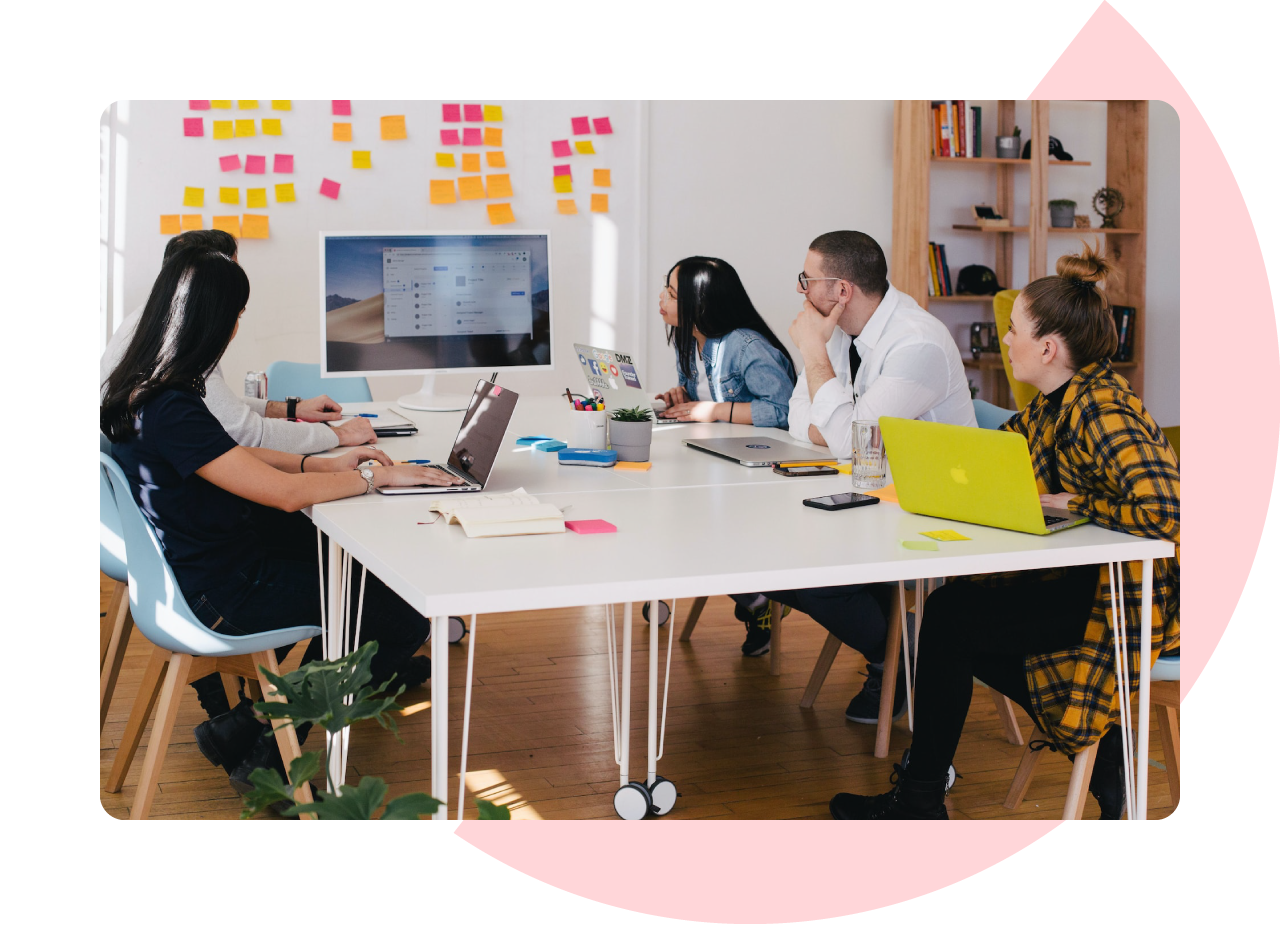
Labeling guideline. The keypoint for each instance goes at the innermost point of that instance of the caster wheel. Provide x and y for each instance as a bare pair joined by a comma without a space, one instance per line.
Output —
457,629
632,801
664,613
951,770
662,795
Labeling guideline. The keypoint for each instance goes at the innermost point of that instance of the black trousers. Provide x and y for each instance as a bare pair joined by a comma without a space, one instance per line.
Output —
857,614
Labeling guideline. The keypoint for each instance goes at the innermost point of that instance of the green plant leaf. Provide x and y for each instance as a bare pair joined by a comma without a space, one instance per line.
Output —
636,415
304,767
316,691
268,788
358,802
492,810
411,806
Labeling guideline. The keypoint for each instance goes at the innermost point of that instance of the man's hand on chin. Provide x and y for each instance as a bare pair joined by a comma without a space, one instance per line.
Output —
811,331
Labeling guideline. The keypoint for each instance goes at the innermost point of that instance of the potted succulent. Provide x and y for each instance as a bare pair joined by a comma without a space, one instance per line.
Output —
631,433
1009,146
1062,213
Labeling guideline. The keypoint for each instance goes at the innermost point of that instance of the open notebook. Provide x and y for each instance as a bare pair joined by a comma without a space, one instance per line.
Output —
513,514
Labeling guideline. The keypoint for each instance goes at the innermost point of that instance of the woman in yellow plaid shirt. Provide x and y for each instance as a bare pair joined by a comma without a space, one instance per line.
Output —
1044,638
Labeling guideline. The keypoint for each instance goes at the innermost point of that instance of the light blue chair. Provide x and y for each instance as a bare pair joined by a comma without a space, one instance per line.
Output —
303,380
990,416
116,626
185,650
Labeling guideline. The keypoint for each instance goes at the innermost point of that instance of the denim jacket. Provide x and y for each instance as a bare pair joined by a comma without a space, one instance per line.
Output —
744,367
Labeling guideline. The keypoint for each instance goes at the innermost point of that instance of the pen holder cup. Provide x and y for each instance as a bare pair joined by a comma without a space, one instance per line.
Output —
590,430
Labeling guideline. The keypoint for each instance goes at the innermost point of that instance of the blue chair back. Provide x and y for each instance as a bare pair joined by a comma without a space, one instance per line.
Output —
1167,669
110,536
159,610
990,416
303,379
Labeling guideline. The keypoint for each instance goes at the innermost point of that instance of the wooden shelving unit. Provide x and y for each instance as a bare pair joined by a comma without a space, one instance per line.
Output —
1126,162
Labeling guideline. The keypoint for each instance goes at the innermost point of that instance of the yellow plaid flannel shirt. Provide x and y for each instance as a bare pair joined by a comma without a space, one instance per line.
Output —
1111,454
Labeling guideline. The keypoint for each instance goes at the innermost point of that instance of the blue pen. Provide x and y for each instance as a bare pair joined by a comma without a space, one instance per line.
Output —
414,462
362,414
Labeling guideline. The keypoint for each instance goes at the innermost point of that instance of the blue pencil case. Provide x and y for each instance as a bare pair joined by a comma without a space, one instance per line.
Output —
572,456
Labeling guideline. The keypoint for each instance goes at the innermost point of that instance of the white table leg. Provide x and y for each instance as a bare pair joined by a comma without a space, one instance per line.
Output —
624,721
333,648
654,631
1144,691
440,713
466,717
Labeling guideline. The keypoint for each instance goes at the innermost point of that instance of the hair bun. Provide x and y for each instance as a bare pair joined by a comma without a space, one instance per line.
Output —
1085,269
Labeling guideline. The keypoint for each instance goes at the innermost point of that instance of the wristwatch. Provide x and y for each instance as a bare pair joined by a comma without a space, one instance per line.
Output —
367,474
291,407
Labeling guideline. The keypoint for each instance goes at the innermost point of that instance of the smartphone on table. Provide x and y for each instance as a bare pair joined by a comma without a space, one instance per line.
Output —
841,501
796,471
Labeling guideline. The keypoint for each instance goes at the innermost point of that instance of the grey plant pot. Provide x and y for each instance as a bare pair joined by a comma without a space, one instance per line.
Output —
1008,145
1062,216
631,439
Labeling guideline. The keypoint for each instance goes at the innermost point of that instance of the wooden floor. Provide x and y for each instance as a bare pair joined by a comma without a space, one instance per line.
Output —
738,745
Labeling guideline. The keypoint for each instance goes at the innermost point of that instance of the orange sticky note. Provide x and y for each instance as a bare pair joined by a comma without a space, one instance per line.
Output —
271,127
602,178
170,224
219,104
284,192
498,185
470,188
584,147
193,197
222,128
248,104
471,163
495,158
393,128
229,194
193,222
255,198
563,184
342,131
445,160
500,214
245,128
493,137
361,159
228,223
283,105
442,192
493,114
566,207
256,226
599,202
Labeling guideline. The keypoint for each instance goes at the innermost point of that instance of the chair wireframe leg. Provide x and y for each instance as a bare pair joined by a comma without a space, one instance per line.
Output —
1078,789
820,670
1008,719
113,655
161,731
775,638
694,613
149,690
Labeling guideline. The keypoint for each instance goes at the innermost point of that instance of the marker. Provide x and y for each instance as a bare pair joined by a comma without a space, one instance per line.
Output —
361,414
414,462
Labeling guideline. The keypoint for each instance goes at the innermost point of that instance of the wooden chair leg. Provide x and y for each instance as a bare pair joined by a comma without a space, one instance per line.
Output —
1022,777
152,678
161,731
121,628
694,613
820,670
230,687
1169,720
892,644
1078,788
1008,719
252,689
286,735
775,638
107,625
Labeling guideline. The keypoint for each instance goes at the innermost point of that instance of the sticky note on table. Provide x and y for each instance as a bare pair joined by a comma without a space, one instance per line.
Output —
546,446
602,126
493,137
495,158
193,222
445,159
361,160
562,184
248,104
229,162
228,223
470,162
222,128
193,128
584,147
220,104
255,163
393,128
590,526
255,198
947,536
170,224
451,112
888,493
330,188
442,192
197,104
639,466
271,127
284,193
566,207
599,202
341,107
498,185
493,114
472,136
449,136
342,131
282,105
473,112
245,128
562,170
500,214
283,163
920,545
470,188
193,197
256,226
561,148
603,178
581,125
230,195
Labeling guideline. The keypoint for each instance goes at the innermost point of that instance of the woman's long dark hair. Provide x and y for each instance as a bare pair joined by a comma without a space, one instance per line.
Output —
711,297
182,334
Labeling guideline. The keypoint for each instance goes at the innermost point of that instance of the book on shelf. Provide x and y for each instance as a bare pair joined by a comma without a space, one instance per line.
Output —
933,270
957,129
1125,317
939,274
514,514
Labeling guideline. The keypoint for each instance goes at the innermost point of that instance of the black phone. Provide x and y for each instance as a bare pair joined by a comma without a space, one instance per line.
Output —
795,471
841,502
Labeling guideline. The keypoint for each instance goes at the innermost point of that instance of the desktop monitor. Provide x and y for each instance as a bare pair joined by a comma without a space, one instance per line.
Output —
434,302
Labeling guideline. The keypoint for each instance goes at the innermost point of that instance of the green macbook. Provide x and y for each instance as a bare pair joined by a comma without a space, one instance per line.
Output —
968,474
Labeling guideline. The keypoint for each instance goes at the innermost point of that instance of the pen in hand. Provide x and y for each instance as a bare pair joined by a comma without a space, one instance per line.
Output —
360,414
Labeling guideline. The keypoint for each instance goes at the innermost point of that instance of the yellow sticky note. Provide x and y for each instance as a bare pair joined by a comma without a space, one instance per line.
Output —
566,207
228,223
602,178
947,536
493,137
222,128
284,192
493,114
361,159
445,160
245,128
393,128
638,466
442,192
471,163
193,197
272,127
563,184
495,158
282,105
585,147
255,198
920,545
599,202
193,222
256,226
247,104
470,188
170,224
342,131
219,104
498,185
229,194
500,214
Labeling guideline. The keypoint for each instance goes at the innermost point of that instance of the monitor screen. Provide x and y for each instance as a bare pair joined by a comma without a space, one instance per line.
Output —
434,302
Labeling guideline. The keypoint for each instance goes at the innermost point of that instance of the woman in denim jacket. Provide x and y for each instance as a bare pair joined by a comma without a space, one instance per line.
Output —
746,376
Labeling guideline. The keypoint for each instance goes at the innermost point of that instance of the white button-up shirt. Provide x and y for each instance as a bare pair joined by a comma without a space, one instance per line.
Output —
911,368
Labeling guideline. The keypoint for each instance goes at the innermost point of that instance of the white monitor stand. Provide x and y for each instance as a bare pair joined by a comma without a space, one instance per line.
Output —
426,399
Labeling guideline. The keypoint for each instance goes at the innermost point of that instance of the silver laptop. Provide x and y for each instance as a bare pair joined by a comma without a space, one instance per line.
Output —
609,375
475,449
756,450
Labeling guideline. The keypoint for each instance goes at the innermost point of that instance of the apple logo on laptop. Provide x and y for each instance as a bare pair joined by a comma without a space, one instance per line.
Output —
959,476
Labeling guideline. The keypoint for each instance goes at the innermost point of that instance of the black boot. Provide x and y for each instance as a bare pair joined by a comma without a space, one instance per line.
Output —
211,695
909,799
1106,782
228,738
263,754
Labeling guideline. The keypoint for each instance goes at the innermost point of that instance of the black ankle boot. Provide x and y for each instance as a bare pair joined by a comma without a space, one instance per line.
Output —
909,799
212,696
228,738
1106,783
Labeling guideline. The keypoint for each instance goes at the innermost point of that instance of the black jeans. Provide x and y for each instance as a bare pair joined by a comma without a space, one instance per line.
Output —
858,615
975,631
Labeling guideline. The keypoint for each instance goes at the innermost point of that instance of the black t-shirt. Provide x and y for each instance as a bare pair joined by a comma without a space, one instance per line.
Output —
205,531
1054,399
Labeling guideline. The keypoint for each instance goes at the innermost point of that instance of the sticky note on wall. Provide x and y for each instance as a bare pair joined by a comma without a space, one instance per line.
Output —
500,214
472,136
255,163
256,226
470,188
341,107
245,128
248,104
361,160
495,158
562,184
222,128
498,185
599,202
193,222
445,159
271,127
473,113
197,104
602,126
170,224
603,178
471,163
255,198
393,128
284,193
451,112
193,197
442,192
228,223
493,114
193,128
283,163
449,136
220,104
566,207
342,131
282,105
561,148
230,195
585,147
330,188
562,170
581,125
229,162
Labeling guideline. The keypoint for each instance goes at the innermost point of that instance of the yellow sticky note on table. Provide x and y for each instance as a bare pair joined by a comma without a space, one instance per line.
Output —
284,193
193,197
566,207
361,159
947,536
393,128
493,137
257,226
471,163
193,222
222,128
245,128
247,104
282,105
272,127
602,178
563,184
342,131
888,493
228,223
255,198
599,202
498,185
920,545
442,192
170,224
445,160
638,466
585,147
495,158
500,214
493,114
229,194
219,104
470,188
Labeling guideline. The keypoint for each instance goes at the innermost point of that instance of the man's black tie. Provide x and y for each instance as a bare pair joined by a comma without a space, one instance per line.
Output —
854,361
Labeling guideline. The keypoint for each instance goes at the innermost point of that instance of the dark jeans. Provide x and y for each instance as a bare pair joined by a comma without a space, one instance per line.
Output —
974,631
858,615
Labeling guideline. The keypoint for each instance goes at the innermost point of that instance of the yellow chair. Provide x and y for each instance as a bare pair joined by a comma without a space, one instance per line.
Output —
1023,394
1174,436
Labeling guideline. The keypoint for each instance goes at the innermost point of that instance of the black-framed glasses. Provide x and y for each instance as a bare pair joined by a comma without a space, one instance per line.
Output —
805,280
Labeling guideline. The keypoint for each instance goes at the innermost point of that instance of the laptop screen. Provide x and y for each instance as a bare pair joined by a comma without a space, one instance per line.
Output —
483,427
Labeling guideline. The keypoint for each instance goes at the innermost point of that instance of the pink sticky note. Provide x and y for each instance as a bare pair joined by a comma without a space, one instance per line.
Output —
329,188
229,162
255,163
560,149
581,126
193,128
452,112
449,136
342,107
472,136
283,164
603,127
562,170
198,104
473,113
590,526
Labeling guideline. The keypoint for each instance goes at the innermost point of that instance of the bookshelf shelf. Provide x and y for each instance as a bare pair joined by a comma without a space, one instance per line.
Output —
1004,161
1023,229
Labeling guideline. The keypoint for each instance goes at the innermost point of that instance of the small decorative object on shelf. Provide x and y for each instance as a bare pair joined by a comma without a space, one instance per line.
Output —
1055,150
976,279
983,338
1083,221
1108,203
986,217
1062,213
1007,145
